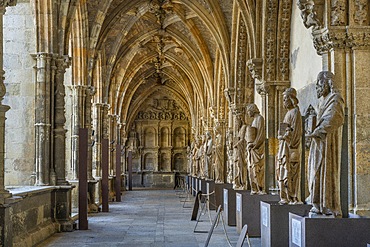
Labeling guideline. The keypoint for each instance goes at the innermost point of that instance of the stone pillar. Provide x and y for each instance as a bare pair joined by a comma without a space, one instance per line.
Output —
98,132
42,116
88,124
57,172
113,137
78,99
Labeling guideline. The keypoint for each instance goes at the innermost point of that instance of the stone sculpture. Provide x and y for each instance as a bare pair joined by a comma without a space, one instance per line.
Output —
323,160
194,149
288,157
230,156
208,152
198,158
239,158
255,137
219,155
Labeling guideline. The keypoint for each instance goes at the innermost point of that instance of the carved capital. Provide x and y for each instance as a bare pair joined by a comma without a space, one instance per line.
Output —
322,41
255,67
262,88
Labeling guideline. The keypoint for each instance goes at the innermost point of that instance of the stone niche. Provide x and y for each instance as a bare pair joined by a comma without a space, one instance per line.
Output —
158,139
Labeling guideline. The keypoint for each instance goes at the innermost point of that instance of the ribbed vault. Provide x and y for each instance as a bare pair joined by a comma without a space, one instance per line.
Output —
146,46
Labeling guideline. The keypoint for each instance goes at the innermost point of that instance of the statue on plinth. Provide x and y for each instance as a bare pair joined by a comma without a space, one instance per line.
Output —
208,154
199,158
193,150
323,159
230,156
219,155
240,179
255,137
189,158
289,156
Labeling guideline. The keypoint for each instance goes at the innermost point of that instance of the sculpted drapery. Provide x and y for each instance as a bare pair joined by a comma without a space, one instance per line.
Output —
239,158
288,157
323,160
256,151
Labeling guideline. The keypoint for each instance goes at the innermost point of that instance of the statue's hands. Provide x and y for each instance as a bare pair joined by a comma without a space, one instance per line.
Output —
280,137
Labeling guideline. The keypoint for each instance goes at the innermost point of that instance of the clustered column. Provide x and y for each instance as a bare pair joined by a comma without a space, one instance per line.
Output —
3,108
78,95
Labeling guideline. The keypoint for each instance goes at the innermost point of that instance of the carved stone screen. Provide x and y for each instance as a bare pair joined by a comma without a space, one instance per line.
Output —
159,138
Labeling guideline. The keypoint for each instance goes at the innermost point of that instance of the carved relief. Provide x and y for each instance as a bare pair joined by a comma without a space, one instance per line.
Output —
271,40
338,12
241,63
163,109
284,39
350,39
361,12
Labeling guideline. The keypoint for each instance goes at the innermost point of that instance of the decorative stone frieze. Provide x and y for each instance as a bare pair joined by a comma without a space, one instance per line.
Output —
270,52
283,39
350,38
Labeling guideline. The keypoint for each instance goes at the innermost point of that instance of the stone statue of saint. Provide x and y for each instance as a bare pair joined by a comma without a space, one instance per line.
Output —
199,158
323,159
219,155
288,157
208,152
189,158
240,179
255,137
194,149
230,156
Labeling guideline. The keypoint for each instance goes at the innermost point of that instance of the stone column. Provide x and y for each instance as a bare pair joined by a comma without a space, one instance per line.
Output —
57,173
42,116
78,99
88,124
98,132
113,123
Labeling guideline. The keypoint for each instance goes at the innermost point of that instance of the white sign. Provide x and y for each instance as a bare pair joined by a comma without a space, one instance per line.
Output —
238,202
225,197
264,216
296,232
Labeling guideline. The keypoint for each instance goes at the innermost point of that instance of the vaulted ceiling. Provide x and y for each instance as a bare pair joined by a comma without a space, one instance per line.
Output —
146,46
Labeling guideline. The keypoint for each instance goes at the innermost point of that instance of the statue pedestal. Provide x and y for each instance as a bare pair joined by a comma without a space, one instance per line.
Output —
229,206
188,182
275,222
329,232
210,187
219,193
202,186
194,186
248,211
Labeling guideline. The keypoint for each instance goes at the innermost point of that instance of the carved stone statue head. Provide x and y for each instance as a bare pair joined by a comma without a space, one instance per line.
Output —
252,110
290,98
324,83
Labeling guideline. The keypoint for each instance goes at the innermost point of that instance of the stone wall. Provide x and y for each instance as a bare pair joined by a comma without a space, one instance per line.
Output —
19,44
29,216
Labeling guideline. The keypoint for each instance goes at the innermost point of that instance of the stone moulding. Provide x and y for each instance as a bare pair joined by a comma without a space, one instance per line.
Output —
350,38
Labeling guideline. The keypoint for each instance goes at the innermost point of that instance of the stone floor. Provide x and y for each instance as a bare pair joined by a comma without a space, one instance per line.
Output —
148,218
